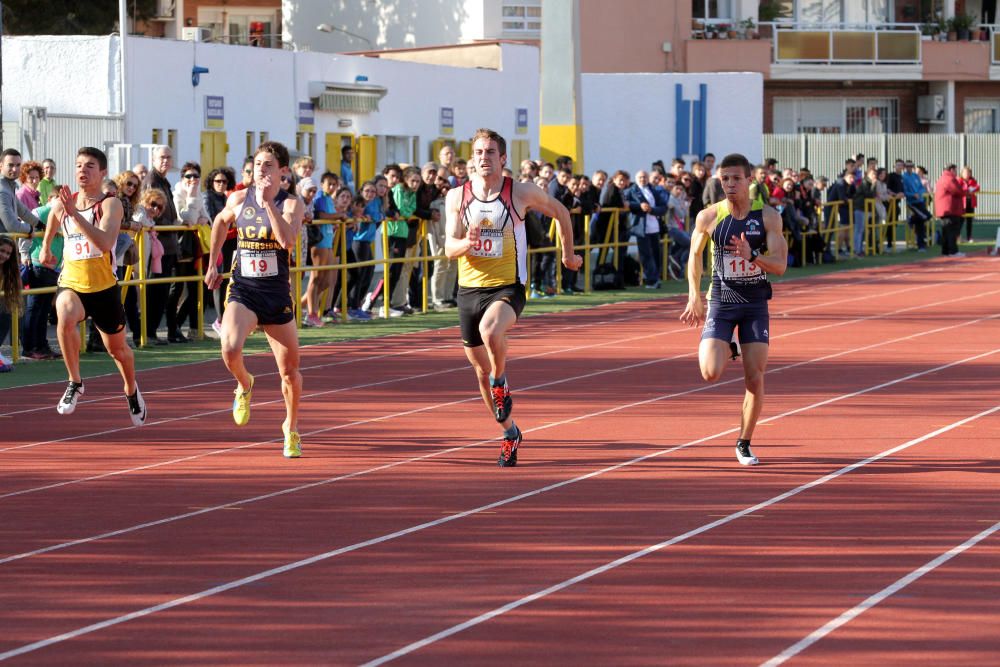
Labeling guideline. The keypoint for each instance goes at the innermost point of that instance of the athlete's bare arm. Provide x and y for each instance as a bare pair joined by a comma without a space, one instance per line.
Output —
457,240
776,259
286,223
220,226
104,234
532,197
694,313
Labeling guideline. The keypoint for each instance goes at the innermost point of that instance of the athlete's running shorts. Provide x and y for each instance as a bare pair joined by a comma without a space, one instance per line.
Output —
270,307
473,302
751,318
104,307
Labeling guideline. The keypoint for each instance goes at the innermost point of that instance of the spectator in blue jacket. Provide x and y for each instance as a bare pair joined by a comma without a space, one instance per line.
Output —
647,205
915,192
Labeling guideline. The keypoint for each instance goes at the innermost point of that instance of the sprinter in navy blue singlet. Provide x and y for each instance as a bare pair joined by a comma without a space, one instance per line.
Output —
742,231
268,221
260,265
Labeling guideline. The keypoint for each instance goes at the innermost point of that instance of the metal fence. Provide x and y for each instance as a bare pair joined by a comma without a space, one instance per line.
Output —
58,135
824,154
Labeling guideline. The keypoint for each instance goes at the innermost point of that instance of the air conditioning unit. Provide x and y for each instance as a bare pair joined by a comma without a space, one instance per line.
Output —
196,34
930,109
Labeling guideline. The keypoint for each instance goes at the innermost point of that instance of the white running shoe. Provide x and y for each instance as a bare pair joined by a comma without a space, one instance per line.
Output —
744,455
217,326
137,408
67,404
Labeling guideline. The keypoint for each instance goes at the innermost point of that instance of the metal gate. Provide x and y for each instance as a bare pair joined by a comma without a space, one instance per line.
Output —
59,136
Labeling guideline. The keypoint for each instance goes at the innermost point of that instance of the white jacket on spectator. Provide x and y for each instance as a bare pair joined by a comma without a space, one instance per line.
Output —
190,205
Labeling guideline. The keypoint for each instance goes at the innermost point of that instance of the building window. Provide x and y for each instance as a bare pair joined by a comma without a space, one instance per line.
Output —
708,10
981,116
397,150
836,116
240,25
522,17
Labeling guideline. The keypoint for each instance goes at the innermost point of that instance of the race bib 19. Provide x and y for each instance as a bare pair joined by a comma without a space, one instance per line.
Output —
78,247
262,264
488,246
734,266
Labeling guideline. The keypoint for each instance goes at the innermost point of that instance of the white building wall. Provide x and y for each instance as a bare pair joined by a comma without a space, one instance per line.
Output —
66,74
387,25
629,120
261,89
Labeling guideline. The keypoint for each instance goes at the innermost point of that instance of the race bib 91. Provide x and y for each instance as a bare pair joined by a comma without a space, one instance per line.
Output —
487,246
78,247
734,266
258,264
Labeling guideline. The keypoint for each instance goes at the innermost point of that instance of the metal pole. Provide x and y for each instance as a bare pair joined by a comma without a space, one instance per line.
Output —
122,32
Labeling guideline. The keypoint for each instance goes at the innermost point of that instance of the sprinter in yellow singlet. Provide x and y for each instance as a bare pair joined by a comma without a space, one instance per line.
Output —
485,232
90,223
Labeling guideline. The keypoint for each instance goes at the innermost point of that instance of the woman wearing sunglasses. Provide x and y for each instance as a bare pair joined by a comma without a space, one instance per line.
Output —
220,183
191,211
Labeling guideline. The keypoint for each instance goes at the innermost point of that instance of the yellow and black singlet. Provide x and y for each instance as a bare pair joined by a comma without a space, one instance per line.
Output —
500,256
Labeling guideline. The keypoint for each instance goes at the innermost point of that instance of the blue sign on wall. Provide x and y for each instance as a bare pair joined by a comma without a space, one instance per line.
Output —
215,111
447,120
521,121
692,125
307,117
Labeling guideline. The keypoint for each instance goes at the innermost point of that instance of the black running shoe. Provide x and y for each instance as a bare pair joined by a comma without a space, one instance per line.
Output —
502,402
508,451
67,404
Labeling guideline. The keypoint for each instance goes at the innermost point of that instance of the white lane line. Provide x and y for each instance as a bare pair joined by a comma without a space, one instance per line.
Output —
333,345
474,397
873,600
288,567
386,466
366,385
635,555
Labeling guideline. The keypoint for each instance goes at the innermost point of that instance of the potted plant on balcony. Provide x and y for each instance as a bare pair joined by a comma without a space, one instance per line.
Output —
929,30
723,29
951,29
750,29
962,24
767,12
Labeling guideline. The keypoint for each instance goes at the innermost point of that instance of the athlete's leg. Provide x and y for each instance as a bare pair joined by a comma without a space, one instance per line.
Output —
497,320
754,365
713,354
70,312
119,350
480,360
284,342
237,323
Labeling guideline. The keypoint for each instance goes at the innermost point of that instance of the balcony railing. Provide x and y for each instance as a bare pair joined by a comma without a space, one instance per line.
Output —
882,44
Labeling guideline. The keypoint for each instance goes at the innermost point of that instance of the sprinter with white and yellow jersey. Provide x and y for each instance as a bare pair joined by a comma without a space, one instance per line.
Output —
485,232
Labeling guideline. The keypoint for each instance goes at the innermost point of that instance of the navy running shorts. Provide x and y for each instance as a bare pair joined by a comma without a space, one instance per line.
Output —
473,302
270,307
752,319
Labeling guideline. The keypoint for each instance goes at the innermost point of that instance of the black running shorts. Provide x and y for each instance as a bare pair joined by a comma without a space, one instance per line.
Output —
473,302
104,307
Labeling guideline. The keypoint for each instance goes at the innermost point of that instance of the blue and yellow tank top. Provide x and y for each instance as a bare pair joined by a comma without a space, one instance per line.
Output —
500,257
734,279
259,260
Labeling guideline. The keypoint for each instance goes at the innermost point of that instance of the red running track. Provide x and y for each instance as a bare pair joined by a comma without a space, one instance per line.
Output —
627,534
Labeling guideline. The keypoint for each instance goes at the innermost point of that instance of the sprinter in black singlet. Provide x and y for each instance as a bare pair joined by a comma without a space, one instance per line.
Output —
485,233
267,221
741,231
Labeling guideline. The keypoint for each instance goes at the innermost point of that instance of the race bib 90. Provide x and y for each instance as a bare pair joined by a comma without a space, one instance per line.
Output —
734,266
488,246
258,264
78,247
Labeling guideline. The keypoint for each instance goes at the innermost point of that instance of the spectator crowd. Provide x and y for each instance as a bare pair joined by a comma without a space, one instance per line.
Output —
655,205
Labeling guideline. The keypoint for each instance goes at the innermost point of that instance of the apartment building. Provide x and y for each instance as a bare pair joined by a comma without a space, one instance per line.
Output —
239,22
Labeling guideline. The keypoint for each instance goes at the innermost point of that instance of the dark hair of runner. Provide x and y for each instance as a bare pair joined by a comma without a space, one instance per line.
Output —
275,148
736,160
97,154
486,133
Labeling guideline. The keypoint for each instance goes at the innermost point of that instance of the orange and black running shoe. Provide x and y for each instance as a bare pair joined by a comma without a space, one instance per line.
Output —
508,451
502,402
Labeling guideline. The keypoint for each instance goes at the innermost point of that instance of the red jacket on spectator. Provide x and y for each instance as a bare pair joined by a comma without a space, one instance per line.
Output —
949,198
970,187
